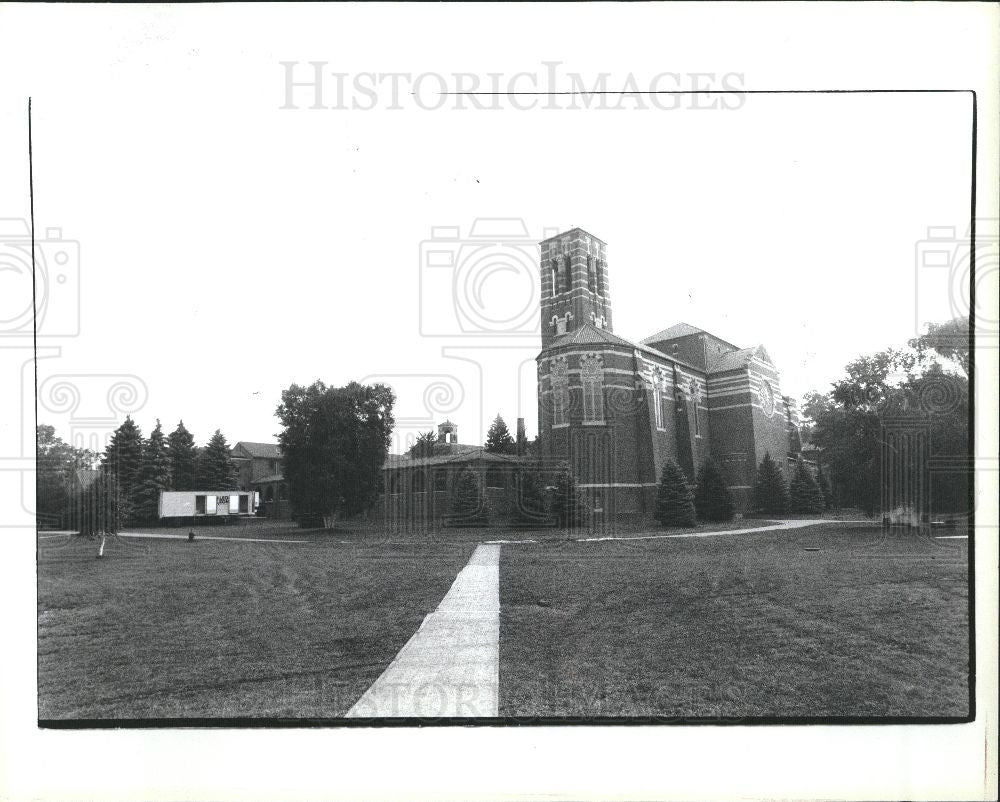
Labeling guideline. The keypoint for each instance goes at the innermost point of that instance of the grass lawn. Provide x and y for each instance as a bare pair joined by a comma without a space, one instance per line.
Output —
166,628
862,624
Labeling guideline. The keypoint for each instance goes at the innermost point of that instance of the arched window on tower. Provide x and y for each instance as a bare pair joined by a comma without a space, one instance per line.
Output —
591,274
599,276
556,276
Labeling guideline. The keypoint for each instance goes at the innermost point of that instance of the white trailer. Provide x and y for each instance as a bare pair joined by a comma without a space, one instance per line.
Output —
207,503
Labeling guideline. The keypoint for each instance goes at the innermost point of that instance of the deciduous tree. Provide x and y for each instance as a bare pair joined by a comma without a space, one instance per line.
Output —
334,443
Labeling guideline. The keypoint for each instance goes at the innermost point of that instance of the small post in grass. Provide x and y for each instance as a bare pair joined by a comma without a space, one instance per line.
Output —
190,535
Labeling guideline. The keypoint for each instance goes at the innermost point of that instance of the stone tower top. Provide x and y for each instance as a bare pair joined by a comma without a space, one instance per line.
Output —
447,432
575,287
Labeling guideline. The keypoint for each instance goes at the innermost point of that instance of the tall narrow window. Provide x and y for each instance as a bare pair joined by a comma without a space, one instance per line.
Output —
560,392
556,276
591,275
591,374
599,276
567,273
694,403
658,404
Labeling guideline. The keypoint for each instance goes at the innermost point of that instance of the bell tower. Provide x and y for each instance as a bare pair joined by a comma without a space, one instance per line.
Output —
575,288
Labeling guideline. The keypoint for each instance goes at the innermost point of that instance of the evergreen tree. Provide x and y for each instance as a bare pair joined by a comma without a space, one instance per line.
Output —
824,486
183,459
215,467
804,492
531,499
468,505
712,498
770,492
154,475
568,504
498,439
123,462
674,499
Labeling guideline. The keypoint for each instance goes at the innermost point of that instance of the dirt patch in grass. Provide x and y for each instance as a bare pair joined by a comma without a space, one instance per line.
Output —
863,623
166,628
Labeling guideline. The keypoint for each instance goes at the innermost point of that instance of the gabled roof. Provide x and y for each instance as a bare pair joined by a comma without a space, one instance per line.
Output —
734,360
479,454
730,360
589,334
673,333
260,450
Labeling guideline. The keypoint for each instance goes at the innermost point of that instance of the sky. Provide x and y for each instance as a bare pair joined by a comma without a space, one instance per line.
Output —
229,247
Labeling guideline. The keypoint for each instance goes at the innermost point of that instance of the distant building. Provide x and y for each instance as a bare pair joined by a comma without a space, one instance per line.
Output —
418,489
260,469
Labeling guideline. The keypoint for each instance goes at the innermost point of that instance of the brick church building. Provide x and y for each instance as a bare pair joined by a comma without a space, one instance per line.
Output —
616,410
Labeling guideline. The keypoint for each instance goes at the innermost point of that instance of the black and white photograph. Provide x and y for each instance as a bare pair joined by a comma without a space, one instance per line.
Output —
509,382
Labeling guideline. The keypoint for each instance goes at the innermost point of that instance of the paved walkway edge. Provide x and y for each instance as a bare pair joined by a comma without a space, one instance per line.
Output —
451,665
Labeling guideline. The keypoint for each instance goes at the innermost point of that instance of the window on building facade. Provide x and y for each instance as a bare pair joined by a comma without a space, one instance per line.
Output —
599,275
417,482
495,477
591,374
560,325
658,405
441,480
694,403
591,275
560,391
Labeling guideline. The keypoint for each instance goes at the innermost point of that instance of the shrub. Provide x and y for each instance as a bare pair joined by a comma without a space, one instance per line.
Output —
806,497
823,481
712,499
770,493
568,504
674,499
468,504
530,500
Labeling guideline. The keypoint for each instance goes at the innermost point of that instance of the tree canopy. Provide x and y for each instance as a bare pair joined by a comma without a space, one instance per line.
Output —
334,443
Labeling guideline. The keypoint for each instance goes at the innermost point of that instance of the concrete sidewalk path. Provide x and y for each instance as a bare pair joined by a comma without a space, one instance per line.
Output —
451,666
794,523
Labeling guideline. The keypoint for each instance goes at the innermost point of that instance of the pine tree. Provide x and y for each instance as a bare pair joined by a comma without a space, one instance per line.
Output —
568,504
468,506
674,499
215,468
498,439
123,461
770,492
154,475
712,498
806,497
824,487
183,459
